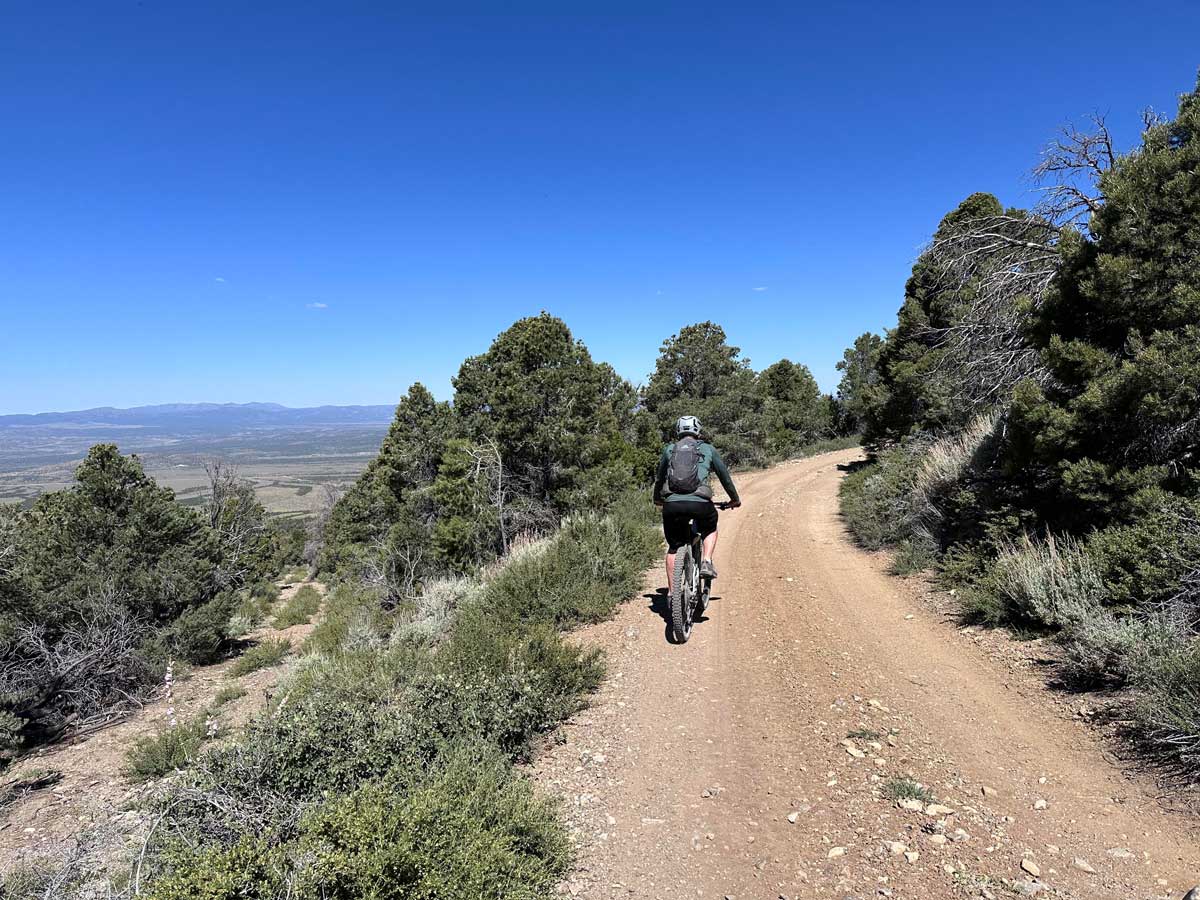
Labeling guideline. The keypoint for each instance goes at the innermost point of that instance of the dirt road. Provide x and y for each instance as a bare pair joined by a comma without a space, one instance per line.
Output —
723,767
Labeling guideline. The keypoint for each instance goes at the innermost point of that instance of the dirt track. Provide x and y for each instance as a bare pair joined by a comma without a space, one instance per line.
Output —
681,778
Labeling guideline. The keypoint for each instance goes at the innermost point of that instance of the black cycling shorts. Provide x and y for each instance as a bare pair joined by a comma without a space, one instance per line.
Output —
677,518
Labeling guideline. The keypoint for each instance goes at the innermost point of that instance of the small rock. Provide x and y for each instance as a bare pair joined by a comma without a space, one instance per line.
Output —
835,852
895,847
912,855
1120,853
988,792
1031,867
1040,804
938,840
855,752
793,817
1028,888
959,836
936,809
1083,865
911,804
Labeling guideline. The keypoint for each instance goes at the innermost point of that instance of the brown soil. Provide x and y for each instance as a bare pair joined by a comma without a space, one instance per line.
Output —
93,791
681,780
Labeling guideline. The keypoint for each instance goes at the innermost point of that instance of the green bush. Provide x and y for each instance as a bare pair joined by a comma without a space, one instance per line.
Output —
349,608
876,500
579,575
429,616
261,656
402,722
1168,705
300,609
827,445
105,580
1107,649
470,829
265,591
904,788
467,827
200,635
1052,583
505,684
228,694
170,750
1145,559
249,870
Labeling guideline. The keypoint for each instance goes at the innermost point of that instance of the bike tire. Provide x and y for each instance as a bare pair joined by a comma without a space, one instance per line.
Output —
681,618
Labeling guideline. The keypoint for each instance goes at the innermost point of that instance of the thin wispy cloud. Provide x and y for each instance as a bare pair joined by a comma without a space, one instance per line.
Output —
760,289
316,305
220,279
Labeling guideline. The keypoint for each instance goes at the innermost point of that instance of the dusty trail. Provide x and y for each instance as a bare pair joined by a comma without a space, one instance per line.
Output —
680,780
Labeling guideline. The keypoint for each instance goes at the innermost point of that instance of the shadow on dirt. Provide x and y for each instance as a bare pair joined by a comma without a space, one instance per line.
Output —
854,465
660,605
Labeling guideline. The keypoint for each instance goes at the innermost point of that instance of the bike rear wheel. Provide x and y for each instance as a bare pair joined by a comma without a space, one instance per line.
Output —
681,595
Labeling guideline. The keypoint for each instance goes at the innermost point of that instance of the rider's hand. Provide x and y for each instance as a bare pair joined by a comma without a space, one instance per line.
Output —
734,504
658,503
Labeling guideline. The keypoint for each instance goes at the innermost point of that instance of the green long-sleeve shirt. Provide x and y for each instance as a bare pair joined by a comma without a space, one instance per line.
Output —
710,462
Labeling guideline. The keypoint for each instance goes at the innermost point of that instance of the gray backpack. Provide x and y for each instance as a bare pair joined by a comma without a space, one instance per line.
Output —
683,471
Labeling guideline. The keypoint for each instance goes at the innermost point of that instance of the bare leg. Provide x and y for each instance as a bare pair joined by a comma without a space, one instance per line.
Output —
710,544
670,570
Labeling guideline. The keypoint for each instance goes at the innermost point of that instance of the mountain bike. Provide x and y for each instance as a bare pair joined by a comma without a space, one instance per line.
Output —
690,590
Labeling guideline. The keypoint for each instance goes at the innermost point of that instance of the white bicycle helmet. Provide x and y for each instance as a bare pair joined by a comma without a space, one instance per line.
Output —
688,425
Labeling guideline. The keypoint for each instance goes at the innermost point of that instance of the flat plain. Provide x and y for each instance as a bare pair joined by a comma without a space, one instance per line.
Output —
290,467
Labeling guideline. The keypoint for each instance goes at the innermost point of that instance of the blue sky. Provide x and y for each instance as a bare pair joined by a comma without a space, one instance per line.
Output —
323,202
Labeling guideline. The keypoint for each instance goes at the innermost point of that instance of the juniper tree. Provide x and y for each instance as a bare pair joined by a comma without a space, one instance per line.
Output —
1120,335
699,373
549,408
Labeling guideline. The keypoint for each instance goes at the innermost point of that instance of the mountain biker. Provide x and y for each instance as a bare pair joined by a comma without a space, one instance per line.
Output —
684,469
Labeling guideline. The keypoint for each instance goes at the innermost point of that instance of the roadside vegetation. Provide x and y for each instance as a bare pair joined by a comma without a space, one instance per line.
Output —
1035,420
104,583
261,656
300,609
387,763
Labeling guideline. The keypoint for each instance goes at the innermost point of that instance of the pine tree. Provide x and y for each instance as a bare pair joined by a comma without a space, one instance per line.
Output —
795,412
394,488
549,408
699,374
1121,337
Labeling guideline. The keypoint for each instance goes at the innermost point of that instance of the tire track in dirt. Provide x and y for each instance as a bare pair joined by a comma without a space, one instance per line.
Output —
722,768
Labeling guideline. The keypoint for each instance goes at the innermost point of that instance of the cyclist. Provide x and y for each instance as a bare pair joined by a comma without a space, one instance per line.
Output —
684,469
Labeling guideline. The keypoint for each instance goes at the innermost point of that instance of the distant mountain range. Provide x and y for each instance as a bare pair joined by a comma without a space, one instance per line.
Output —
205,417
238,431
